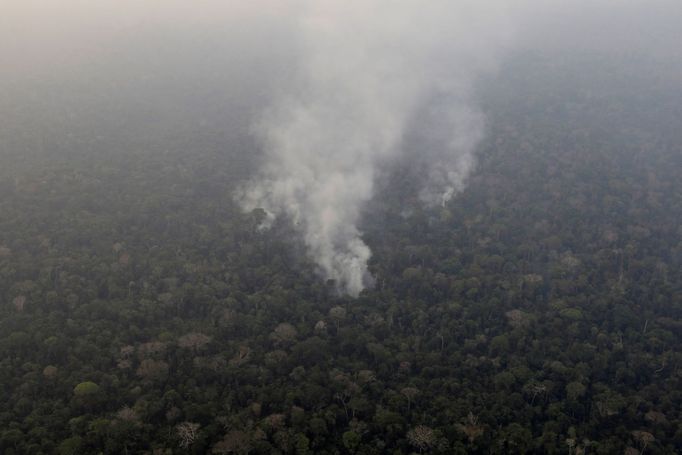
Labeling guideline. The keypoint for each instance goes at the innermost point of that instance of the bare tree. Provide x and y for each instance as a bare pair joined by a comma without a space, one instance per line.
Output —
471,428
236,441
337,314
422,437
410,393
284,334
275,421
50,372
365,376
517,318
656,417
241,357
643,438
152,369
194,340
151,348
187,432
127,351
534,389
320,327
19,302
346,389
128,414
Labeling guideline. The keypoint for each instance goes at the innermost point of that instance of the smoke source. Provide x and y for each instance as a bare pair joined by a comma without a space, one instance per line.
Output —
366,73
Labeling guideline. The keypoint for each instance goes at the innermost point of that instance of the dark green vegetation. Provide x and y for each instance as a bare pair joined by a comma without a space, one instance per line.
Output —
539,312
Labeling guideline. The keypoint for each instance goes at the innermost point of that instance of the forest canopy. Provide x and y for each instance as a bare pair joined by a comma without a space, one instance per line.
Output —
145,310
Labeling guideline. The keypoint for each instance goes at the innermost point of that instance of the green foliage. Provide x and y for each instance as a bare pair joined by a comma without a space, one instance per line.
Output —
87,388
541,307
572,313
351,440
575,391
70,446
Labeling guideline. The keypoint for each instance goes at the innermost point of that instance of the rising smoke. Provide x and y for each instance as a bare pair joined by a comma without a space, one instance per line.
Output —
368,71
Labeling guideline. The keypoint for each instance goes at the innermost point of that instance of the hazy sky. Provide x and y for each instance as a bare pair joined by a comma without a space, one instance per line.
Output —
52,39
106,48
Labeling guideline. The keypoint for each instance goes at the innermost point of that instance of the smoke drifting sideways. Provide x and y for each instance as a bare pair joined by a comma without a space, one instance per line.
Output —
369,71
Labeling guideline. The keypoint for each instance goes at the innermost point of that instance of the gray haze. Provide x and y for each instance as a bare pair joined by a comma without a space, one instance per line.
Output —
328,88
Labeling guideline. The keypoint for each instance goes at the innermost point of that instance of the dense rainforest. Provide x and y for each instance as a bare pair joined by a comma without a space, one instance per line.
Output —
539,311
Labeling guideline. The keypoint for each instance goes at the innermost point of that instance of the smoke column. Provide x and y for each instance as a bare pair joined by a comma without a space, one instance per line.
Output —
367,73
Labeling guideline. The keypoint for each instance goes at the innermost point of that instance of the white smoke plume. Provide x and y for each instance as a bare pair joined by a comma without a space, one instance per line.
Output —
368,72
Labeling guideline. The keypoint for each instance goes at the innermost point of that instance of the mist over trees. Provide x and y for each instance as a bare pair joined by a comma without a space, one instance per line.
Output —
143,310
